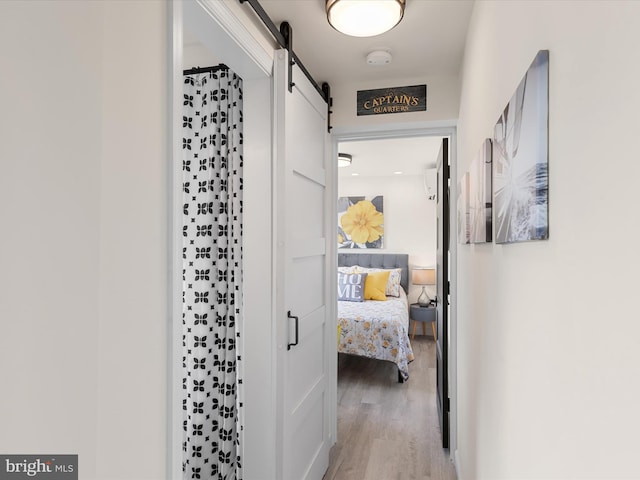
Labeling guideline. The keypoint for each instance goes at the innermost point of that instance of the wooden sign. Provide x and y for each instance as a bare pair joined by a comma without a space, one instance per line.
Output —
392,100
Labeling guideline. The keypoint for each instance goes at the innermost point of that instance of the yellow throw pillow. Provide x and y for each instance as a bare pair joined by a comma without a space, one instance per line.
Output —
375,285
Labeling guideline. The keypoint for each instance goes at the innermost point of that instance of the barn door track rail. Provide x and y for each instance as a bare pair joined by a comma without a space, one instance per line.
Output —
284,37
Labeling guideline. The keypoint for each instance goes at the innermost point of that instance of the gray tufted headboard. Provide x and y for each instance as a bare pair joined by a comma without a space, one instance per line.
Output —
378,260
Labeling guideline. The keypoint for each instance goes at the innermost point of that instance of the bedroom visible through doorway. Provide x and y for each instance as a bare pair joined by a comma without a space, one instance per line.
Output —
396,173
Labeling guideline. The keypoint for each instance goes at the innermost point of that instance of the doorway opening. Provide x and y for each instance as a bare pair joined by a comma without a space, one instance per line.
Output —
199,39
254,66
409,227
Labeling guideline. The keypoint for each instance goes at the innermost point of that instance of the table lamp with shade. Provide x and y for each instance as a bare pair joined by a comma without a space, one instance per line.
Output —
423,276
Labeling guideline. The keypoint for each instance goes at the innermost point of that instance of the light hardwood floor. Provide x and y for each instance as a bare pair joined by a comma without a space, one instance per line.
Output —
388,430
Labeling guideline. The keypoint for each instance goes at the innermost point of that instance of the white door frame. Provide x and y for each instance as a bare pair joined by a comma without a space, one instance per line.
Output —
220,29
424,129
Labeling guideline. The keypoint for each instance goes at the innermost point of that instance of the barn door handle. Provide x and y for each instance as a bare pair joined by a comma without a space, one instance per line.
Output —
296,319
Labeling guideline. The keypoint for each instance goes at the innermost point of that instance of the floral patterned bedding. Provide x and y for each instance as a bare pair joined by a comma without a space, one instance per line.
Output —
376,329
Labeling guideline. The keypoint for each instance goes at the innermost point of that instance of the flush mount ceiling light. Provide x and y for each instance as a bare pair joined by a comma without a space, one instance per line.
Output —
364,18
344,159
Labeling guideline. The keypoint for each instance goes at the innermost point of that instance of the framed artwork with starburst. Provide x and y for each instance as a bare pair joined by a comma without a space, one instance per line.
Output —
360,222
521,159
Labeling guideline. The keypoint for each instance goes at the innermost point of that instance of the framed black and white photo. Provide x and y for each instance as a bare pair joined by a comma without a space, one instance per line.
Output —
520,158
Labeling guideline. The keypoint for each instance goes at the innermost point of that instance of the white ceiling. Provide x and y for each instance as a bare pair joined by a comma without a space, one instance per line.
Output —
428,41
411,156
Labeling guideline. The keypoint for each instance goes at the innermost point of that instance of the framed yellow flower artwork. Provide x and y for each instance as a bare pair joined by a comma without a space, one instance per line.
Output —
360,222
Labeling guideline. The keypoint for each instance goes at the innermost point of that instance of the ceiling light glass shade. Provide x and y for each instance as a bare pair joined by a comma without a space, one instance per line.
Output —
344,159
364,18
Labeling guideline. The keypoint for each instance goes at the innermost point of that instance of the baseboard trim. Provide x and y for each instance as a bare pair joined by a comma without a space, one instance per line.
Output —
456,463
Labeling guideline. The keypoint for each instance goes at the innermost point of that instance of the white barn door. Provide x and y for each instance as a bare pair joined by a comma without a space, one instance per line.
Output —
302,316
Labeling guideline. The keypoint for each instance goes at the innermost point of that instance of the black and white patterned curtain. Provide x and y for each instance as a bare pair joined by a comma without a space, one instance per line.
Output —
212,274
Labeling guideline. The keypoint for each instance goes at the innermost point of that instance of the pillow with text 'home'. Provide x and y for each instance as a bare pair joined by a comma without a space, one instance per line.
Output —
351,286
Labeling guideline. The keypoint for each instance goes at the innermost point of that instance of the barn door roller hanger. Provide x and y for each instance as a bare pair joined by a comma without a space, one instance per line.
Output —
284,37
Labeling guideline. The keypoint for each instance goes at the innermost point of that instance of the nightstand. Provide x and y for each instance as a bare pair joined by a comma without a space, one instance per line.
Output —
422,314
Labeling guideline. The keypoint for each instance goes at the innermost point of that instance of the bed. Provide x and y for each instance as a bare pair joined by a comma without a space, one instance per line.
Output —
377,329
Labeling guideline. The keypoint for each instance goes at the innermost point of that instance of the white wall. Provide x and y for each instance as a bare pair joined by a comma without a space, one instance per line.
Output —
409,218
547,331
197,55
83,202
